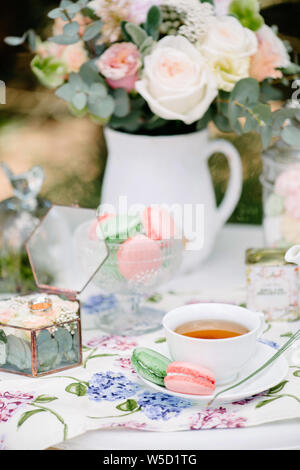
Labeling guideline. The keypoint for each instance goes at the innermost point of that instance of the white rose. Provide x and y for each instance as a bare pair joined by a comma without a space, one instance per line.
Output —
176,82
228,70
227,37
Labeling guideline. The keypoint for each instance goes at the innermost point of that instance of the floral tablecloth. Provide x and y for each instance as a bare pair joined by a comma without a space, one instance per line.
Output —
106,392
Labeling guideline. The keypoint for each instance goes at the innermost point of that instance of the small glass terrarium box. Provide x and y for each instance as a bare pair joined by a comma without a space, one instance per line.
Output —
41,333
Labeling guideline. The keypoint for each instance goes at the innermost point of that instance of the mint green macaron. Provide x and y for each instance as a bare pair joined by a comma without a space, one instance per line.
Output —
150,365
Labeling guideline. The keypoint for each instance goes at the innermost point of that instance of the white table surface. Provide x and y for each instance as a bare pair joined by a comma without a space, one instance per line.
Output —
223,272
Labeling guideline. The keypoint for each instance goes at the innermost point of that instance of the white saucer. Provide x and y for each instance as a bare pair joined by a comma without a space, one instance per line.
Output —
261,382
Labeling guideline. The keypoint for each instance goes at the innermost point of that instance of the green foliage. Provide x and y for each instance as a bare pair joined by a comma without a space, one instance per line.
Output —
122,103
49,71
3,337
128,405
93,30
247,12
137,34
18,41
67,9
44,399
87,95
245,110
70,34
18,353
25,416
154,20
77,388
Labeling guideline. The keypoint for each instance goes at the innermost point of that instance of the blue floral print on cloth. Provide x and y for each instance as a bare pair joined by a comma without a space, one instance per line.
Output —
111,386
99,303
161,406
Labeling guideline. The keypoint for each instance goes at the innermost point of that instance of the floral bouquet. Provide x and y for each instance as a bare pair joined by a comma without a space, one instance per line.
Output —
167,66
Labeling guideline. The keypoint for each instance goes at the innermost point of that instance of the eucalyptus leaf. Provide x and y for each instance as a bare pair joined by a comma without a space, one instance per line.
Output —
55,13
266,136
103,108
97,90
47,351
70,29
246,91
14,40
64,339
122,103
18,353
76,82
137,34
65,92
31,39
92,30
65,39
291,135
89,73
222,123
79,100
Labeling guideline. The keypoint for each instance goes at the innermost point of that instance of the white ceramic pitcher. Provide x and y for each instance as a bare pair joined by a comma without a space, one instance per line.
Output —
172,170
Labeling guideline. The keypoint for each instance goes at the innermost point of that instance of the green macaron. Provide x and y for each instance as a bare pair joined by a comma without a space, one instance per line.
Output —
150,365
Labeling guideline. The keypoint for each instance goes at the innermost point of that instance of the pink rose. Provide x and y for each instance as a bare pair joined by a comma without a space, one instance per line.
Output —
271,55
119,65
74,56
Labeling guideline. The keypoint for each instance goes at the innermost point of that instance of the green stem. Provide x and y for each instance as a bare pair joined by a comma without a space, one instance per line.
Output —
285,395
249,110
60,419
69,377
88,357
119,416
92,356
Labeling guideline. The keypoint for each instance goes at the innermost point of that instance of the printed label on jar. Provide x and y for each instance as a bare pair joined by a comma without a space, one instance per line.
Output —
274,291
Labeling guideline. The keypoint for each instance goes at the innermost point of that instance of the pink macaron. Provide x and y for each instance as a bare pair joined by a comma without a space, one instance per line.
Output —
138,257
158,223
189,378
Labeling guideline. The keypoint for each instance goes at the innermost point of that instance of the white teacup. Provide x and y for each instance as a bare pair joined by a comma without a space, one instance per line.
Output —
224,357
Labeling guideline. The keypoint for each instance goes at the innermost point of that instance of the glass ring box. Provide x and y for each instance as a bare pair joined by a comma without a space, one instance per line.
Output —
41,333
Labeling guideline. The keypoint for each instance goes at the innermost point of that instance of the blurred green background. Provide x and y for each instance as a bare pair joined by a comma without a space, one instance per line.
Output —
36,127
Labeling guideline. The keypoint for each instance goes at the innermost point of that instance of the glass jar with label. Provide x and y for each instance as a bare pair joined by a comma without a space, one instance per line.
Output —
272,284
281,194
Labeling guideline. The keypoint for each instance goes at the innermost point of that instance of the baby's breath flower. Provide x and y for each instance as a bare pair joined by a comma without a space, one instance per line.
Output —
188,18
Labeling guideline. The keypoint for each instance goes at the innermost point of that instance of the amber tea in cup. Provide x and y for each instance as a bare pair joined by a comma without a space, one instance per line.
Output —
211,329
